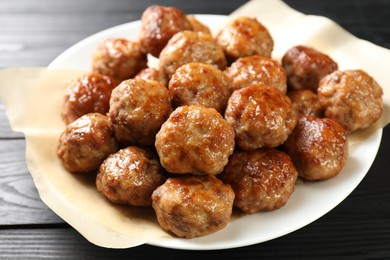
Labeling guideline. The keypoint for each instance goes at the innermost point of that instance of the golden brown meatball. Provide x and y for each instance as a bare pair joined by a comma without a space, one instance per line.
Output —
138,108
262,179
318,148
118,58
86,142
306,103
195,139
197,26
244,37
187,46
257,70
305,67
87,94
158,25
352,98
130,176
193,206
200,84
261,116
152,74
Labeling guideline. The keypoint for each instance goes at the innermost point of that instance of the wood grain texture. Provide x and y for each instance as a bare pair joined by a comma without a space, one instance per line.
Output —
319,241
19,199
5,129
33,33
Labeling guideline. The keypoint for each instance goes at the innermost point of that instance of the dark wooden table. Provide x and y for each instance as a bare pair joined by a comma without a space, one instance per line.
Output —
32,33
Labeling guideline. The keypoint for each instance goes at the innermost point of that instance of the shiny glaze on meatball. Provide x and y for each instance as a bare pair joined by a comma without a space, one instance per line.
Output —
158,25
130,176
305,67
87,94
261,116
86,142
318,148
196,140
200,84
262,179
138,108
118,58
257,70
244,37
188,46
193,206
352,98
306,103
152,74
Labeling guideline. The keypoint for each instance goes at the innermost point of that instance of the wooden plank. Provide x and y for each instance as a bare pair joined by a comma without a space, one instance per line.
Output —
19,199
5,129
37,36
33,36
115,6
41,29
332,235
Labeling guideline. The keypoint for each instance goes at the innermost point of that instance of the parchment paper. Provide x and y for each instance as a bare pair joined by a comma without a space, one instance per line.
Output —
33,99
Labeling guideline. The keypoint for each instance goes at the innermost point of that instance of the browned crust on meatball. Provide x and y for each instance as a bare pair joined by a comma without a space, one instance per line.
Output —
130,176
261,116
152,74
138,108
352,98
305,67
87,94
318,148
244,37
257,70
193,206
306,103
197,26
195,139
85,143
200,84
118,58
188,46
262,180
158,25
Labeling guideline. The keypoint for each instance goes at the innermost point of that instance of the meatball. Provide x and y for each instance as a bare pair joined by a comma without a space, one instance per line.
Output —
118,58
87,94
158,25
318,148
305,67
197,26
152,74
193,206
262,179
195,139
138,108
130,176
86,142
257,70
352,98
200,84
305,103
261,116
188,46
244,37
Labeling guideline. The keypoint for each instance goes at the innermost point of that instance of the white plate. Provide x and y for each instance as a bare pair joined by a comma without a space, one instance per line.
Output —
310,201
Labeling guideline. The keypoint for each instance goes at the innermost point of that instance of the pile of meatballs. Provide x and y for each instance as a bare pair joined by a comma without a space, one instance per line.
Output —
219,124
